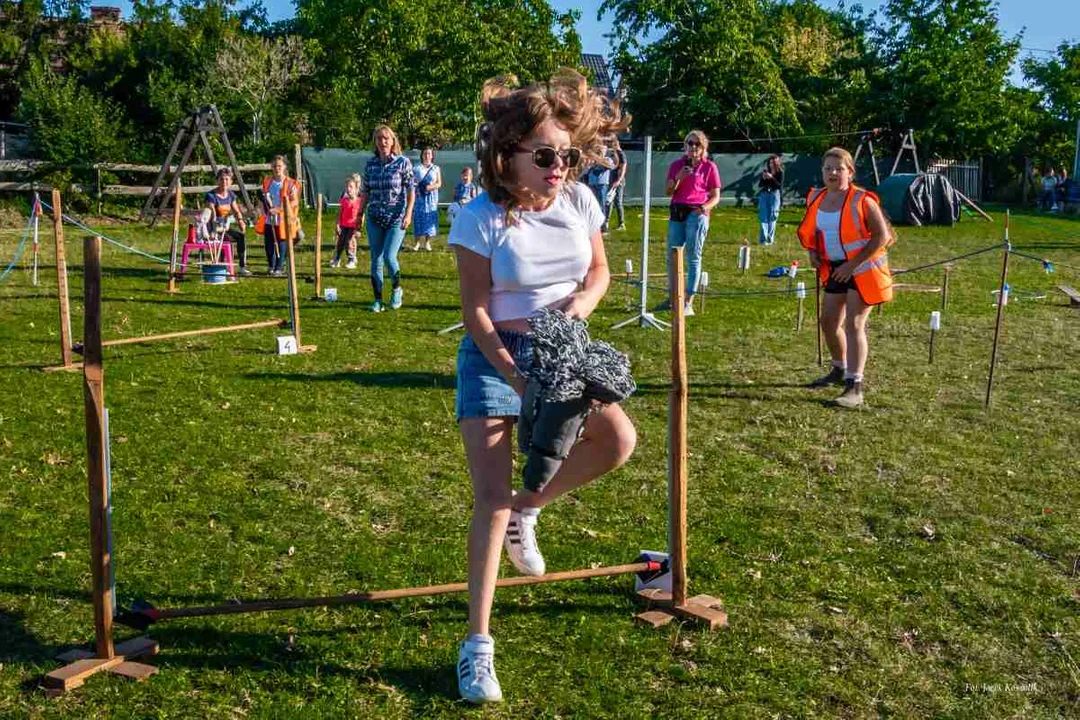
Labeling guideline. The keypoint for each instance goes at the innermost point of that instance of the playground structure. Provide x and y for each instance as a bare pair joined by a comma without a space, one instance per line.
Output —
67,345
123,658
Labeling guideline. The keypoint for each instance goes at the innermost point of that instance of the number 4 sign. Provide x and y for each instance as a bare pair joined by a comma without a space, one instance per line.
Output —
286,345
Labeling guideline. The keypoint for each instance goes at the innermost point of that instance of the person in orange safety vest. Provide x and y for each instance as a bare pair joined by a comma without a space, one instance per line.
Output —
846,234
280,196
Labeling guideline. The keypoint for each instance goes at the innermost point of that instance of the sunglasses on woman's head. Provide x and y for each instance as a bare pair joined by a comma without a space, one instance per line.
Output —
546,156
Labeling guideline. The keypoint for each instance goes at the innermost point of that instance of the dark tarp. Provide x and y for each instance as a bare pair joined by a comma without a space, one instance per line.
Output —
919,199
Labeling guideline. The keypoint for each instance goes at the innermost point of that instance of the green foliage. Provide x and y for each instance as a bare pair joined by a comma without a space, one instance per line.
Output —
1058,82
69,123
713,67
944,68
418,64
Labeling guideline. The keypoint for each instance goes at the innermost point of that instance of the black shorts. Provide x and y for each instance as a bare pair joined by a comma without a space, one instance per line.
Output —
836,287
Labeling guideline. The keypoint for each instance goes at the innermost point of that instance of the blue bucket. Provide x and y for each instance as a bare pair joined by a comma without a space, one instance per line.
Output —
215,274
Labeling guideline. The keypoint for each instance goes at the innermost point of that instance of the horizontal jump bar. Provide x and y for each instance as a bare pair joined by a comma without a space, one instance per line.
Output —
155,614
191,333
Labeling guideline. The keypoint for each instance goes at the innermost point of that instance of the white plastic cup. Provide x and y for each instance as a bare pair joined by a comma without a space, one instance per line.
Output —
629,266
793,270
704,280
935,320
744,257
800,290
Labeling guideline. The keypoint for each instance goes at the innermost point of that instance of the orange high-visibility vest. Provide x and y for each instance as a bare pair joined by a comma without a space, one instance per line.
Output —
872,277
291,206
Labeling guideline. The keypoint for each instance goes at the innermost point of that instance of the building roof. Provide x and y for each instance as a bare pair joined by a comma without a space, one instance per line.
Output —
598,66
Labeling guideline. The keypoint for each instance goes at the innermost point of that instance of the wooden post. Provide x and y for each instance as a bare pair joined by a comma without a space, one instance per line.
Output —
106,657
178,202
298,162
318,246
945,288
37,237
817,313
294,301
94,399
1000,313
62,281
677,432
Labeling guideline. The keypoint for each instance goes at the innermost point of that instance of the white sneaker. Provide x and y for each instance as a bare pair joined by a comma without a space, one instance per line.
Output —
351,265
396,297
427,245
520,542
688,310
476,670
335,262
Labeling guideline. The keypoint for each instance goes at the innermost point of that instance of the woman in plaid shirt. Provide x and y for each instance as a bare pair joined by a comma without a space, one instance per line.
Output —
388,193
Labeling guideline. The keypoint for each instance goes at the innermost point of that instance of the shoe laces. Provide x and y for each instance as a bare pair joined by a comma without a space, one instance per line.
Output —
528,531
482,664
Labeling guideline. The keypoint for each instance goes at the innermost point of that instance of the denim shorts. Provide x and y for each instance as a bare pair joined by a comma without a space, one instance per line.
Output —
481,390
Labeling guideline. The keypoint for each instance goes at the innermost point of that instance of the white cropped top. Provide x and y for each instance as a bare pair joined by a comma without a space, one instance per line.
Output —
828,223
537,261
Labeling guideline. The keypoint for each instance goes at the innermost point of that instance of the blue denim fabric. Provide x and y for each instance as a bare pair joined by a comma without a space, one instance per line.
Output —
621,213
481,390
385,245
276,257
689,234
768,212
601,191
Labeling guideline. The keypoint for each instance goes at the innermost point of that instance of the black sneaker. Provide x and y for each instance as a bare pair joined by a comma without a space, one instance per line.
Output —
835,377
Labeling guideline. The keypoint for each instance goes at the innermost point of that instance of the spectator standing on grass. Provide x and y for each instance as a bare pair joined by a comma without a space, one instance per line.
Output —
387,194
426,211
531,241
348,222
1061,188
464,192
846,234
599,178
618,184
693,183
281,199
223,206
1049,185
770,191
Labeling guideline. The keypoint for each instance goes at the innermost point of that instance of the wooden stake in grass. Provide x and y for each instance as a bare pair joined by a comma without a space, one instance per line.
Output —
817,313
318,247
677,432
1001,300
294,300
178,202
945,288
935,325
62,281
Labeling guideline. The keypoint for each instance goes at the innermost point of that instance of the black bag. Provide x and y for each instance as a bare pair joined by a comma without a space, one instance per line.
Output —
680,211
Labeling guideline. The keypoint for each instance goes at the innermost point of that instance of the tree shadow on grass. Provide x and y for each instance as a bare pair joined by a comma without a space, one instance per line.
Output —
375,379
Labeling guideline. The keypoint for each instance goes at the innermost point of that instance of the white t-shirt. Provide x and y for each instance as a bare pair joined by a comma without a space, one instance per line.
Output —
537,261
829,225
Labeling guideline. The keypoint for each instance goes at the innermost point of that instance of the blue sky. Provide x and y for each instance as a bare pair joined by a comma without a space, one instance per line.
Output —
1045,23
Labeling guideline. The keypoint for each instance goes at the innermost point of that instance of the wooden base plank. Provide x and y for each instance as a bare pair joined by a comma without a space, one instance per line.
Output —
1074,297
308,348
75,673
702,613
73,367
655,618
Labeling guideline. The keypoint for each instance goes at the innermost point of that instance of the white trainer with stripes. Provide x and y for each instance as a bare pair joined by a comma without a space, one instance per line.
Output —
477,682
520,542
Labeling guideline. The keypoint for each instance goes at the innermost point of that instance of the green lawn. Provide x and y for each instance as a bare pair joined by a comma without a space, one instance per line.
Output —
914,559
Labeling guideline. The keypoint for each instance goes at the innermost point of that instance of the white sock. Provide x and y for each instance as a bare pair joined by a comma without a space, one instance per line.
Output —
480,638
857,377
839,364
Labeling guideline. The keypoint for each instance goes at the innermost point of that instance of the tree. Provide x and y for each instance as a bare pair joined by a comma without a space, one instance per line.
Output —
1057,79
944,68
260,70
418,65
713,66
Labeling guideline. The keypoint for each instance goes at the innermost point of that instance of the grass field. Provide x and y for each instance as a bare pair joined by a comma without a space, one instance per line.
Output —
914,559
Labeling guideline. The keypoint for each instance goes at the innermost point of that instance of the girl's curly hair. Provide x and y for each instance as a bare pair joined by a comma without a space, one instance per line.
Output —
511,113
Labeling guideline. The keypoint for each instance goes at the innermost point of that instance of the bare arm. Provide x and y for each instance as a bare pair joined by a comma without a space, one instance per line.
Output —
409,202
712,201
474,281
436,182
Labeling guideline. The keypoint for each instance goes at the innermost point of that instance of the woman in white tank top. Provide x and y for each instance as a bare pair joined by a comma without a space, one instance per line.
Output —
532,240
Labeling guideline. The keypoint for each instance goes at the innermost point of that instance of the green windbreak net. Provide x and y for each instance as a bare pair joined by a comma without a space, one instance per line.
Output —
325,171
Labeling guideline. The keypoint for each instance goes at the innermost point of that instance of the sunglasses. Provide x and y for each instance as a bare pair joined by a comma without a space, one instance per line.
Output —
692,143
546,156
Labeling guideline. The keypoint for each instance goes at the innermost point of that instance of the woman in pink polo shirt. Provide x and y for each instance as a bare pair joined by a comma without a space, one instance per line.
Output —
693,182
